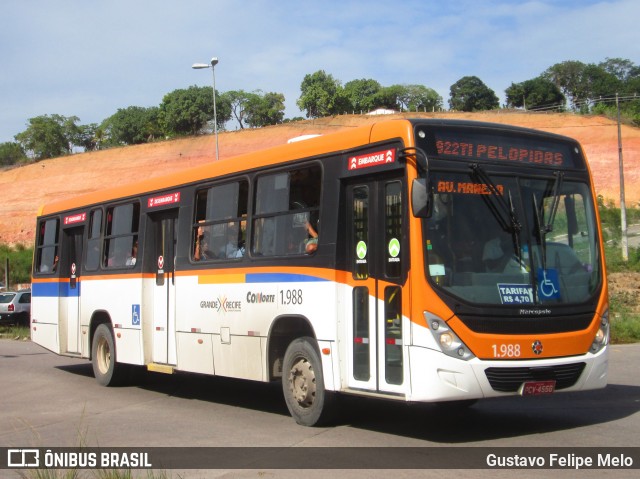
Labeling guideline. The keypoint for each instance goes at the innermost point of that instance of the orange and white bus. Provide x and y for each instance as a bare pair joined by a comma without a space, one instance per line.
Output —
415,260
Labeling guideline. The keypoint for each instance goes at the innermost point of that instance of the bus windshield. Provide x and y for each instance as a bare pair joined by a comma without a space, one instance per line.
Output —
512,240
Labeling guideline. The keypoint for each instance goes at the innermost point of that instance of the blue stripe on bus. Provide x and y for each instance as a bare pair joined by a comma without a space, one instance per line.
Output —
54,290
281,278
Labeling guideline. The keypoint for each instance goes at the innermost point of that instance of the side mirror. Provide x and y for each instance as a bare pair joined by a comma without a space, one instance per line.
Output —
420,198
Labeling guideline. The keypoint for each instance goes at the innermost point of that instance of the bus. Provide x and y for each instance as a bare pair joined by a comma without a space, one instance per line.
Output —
418,260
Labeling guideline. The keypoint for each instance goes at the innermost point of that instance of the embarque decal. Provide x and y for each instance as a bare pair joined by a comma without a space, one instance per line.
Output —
372,159
73,219
169,199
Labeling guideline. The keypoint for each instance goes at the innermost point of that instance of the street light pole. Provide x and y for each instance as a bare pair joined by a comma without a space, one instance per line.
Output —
212,64
623,206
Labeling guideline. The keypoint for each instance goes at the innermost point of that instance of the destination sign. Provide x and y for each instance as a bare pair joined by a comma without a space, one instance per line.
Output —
469,144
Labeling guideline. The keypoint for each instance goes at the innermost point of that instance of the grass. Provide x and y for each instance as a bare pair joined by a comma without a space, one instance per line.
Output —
623,308
625,324
92,474
14,332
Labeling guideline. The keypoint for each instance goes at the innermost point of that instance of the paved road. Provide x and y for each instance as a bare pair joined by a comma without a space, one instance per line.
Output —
47,400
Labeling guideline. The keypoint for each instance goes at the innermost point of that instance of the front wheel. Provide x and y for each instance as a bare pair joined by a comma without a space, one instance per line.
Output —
103,358
303,383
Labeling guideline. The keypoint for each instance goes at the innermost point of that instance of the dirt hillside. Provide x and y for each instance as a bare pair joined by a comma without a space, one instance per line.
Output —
26,188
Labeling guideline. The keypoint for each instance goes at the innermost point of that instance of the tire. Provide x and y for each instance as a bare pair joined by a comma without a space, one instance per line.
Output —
103,358
303,384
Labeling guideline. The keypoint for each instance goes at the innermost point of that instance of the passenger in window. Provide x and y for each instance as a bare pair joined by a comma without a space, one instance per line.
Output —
233,248
131,259
201,248
44,268
311,243
498,258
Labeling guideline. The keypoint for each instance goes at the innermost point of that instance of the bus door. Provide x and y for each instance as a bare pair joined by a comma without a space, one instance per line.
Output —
164,233
70,261
376,250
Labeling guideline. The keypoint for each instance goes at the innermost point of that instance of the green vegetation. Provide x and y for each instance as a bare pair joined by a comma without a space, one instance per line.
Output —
20,259
624,304
92,474
569,85
14,332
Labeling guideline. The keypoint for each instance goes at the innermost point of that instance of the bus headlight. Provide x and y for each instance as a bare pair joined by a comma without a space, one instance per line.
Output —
449,343
602,335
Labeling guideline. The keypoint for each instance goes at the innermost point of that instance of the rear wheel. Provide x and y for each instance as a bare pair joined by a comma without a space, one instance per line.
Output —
103,357
303,383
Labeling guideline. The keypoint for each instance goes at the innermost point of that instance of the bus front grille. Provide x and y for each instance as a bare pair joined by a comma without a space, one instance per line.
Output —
510,379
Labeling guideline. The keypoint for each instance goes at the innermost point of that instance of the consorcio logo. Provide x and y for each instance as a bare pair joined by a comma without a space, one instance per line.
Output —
257,298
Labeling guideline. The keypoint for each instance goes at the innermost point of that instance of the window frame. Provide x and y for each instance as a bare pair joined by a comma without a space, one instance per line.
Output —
108,236
222,223
292,221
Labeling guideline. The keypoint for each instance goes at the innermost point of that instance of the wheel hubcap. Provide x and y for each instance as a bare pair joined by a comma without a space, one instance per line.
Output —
104,356
302,382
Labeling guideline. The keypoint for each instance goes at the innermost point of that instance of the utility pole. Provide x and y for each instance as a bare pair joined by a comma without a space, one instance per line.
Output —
623,209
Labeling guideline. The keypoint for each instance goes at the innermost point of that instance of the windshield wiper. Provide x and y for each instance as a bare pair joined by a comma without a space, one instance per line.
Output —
504,212
542,230
557,184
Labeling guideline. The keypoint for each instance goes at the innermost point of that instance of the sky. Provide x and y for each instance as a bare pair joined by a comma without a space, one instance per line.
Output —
89,58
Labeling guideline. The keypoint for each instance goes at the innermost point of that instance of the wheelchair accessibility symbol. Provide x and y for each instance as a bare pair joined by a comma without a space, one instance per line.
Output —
548,284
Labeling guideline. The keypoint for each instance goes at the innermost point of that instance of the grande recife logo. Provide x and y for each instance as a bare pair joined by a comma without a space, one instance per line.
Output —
377,158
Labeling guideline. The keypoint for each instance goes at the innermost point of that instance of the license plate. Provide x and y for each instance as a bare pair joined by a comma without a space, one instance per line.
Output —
537,388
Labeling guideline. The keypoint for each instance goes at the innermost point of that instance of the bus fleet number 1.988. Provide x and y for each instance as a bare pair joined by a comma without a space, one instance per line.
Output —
290,296
506,350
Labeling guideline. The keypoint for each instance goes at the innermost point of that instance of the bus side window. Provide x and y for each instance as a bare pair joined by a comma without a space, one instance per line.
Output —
121,236
47,259
286,213
220,222
93,243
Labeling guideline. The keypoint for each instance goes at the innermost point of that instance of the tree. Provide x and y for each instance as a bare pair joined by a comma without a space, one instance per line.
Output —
622,68
322,95
417,97
49,136
535,93
568,76
263,110
361,94
187,111
598,83
11,153
89,137
471,94
387,97
238,99
132,126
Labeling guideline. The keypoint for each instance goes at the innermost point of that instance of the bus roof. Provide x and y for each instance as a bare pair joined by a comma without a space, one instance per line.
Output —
311,147
333,142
